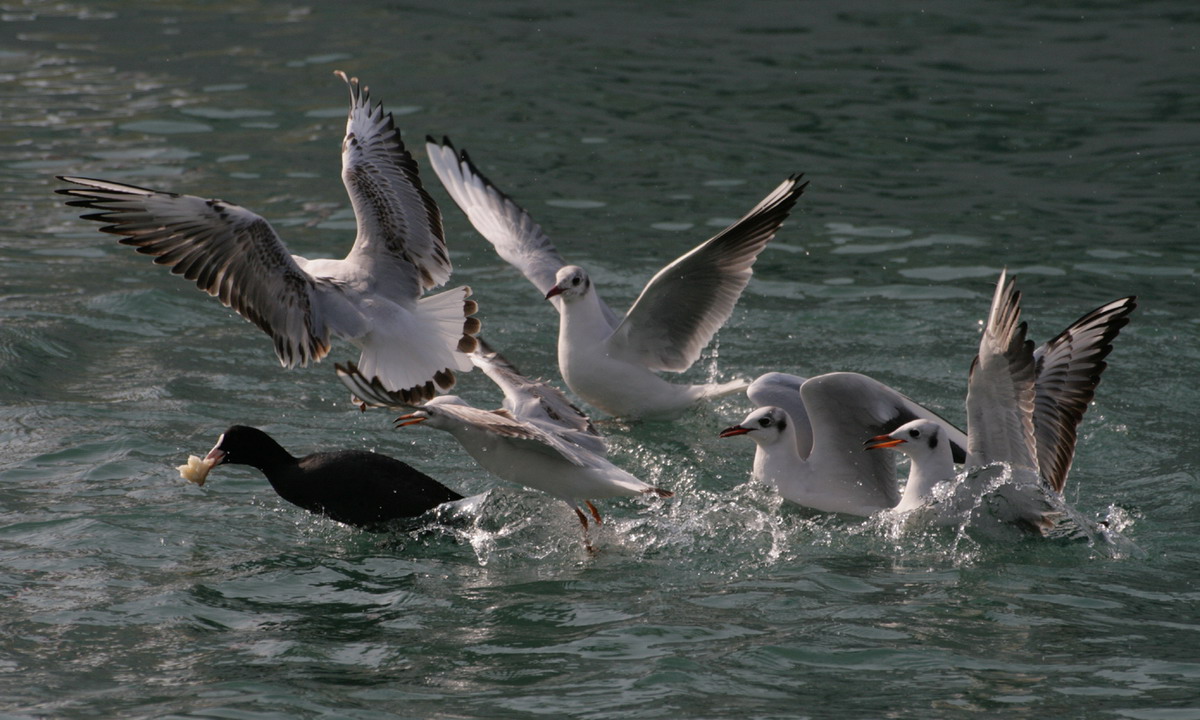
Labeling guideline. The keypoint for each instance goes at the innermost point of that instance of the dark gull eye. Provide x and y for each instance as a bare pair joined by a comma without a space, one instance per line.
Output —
914,433
764,422
575,280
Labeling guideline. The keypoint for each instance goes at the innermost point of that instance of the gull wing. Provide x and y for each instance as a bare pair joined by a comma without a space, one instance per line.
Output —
537,401
1000,391
529,435
499,422
684,305
517,238
372,393
398,221
782,390
845,408
227,250
1068,371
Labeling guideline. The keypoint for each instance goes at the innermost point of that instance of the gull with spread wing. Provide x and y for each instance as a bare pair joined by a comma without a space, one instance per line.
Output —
817,461
1024,406
537,439
372,298
612,363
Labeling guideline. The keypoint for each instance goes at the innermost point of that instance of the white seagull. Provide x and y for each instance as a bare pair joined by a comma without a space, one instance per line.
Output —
611,362
819,462
371,298
538,439
538,402
887,408
1023,409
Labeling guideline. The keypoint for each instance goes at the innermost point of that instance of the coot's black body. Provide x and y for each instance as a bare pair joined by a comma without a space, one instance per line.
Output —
356,487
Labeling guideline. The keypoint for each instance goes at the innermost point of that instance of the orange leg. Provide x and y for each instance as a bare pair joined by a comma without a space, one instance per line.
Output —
595,512
587,543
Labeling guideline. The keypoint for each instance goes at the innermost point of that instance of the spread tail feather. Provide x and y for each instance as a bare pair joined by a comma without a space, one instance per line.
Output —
421,351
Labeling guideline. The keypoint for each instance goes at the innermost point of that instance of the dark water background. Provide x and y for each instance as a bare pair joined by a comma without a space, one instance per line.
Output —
943,141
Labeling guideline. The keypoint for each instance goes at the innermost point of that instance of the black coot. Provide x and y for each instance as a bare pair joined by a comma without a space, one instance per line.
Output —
356,487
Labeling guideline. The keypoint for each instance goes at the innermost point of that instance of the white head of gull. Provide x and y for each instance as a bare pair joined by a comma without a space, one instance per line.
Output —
373,298
610,362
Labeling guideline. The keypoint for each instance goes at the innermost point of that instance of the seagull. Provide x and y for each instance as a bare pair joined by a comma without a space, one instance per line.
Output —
537,439
538,402
372,298
783,390
612,363
1024,406
818,462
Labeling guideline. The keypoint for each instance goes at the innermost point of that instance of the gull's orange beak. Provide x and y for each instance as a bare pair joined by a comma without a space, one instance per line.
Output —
410,419
883,441
732,431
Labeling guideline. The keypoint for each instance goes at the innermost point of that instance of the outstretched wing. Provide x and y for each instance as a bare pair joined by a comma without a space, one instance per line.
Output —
398,221
845,408
783,390
372,393
227,250
537,401
499,422
529,436
684,305
517,238
1068,371
1000,391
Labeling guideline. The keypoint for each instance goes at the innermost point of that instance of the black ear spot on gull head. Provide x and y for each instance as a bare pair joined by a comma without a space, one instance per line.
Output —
933,441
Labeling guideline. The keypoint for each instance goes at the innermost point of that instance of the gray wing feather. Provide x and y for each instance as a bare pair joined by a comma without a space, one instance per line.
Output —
1068,372
227,250
397,219
529,435
372,393
537,401
514,234
1000,391
688,301
847,408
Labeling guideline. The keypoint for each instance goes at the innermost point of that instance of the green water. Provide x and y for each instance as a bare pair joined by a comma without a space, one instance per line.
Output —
943,141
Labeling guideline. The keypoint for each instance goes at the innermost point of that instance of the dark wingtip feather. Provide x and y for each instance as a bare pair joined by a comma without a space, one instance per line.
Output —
372,393
444,379
467,345
471,326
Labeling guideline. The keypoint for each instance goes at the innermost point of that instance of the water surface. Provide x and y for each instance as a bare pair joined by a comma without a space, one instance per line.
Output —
942,142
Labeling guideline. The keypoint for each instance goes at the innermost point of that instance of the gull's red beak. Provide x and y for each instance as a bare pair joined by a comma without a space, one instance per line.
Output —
883,441
732,431
410,419
556,290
